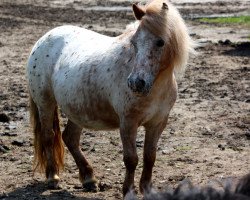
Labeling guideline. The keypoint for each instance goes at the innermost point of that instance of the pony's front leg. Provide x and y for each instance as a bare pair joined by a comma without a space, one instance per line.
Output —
153,132
128,131
71,137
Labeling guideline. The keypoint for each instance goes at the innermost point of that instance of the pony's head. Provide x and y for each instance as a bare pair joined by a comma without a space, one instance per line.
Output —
161,42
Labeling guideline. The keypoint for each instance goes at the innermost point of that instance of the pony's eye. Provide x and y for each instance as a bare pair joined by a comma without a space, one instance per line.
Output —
160,43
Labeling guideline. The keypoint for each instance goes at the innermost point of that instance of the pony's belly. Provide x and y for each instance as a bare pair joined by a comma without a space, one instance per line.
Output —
93,118
100,125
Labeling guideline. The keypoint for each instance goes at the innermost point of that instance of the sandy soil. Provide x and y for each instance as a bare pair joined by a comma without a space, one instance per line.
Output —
208,135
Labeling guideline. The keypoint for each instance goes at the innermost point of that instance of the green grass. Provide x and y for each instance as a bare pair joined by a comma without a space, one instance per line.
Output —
183,148
241,20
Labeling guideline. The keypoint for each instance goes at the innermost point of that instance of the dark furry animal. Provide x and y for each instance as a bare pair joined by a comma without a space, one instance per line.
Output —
186,191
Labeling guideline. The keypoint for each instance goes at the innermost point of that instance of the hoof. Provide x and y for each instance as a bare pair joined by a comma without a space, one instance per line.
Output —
90,185
53,183
130,195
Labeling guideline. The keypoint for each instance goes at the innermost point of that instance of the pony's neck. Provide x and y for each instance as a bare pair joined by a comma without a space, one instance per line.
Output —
164,76
126,36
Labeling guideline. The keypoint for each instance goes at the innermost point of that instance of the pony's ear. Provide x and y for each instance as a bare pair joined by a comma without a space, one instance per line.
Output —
164,6
138,12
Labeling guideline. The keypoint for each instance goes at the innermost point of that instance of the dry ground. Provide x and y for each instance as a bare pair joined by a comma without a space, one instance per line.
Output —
208,135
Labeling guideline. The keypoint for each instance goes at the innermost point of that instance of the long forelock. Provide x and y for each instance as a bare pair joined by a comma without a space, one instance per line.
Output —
155,19
169,25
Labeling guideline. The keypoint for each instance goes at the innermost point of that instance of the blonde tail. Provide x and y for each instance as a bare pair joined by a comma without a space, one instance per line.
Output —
40,158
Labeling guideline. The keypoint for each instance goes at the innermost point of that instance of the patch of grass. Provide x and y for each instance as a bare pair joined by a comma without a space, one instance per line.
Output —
240,20
183,148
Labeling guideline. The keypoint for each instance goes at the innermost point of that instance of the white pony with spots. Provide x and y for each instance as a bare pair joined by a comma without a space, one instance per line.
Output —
102,83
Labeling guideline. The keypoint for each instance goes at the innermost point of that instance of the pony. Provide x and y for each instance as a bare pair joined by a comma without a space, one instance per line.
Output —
104,83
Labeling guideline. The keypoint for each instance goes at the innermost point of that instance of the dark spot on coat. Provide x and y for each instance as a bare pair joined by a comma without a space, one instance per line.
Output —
38,75
35,59
47,55
130,59
33,53
102,88
34,66
108,70
150,56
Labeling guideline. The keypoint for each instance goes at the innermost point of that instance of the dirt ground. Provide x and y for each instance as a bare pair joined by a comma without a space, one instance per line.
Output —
208,135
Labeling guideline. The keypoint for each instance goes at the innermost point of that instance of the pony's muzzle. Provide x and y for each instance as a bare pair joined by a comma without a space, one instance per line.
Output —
138,84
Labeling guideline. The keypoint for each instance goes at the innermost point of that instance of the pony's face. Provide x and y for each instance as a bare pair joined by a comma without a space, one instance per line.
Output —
148,50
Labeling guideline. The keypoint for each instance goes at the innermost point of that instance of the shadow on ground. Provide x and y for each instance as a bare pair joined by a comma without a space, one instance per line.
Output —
241,49
39,190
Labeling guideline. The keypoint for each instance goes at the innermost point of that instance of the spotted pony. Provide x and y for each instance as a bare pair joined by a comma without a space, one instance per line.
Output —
104,83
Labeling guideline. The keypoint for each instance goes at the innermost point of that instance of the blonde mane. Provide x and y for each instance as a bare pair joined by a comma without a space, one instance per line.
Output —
162,19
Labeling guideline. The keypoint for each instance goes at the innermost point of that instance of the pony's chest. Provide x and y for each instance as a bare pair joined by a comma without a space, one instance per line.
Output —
157,110
158,107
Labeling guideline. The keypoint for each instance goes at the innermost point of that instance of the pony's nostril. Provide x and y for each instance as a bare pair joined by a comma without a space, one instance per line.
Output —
136,84
140,84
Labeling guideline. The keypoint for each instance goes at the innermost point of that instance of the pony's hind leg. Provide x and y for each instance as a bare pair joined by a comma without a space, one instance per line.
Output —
51,146
71,137
49,150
